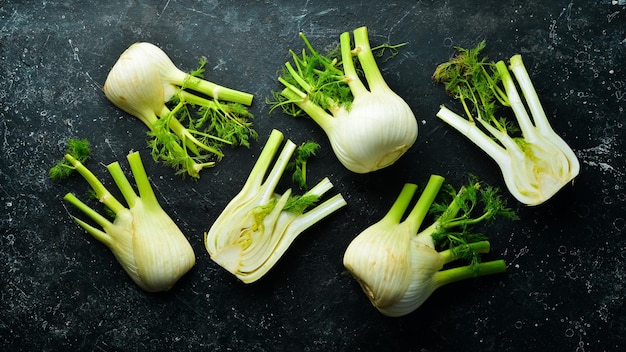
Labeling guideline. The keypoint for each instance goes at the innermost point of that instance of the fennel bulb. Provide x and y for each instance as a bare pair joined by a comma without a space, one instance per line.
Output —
258,225
144,239
144,79
534,166
398,267
368,129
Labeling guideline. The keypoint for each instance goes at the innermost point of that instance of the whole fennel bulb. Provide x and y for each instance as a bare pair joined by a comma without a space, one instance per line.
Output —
369,127
144,239
188,130
399,268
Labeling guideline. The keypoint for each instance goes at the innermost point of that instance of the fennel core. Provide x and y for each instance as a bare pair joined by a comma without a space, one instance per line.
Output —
143,238
369,126
399,266
535,165
190,119
258,225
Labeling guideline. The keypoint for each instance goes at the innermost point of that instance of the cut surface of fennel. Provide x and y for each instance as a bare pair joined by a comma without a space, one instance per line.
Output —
144,239
534,166
256,227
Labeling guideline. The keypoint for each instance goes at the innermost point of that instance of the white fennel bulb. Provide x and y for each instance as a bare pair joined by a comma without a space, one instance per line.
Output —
144,239
399,267
145,83
535,165
258,225
369,127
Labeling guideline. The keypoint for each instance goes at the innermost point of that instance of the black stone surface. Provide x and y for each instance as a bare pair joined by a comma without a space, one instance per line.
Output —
60,290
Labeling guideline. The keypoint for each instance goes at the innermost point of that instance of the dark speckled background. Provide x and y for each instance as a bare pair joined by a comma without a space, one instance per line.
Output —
60,290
